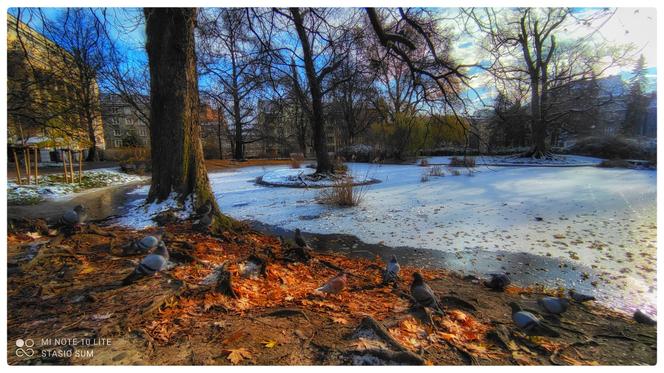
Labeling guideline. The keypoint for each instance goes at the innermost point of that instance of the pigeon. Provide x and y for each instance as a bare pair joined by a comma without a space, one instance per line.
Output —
553,305
529,323
203,223
642,318
391,273
498,281
580,297
150,265
335,285
204,209
299,240
422,293
144,245
74,217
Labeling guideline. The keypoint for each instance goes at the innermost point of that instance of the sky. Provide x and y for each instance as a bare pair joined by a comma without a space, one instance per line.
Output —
635,26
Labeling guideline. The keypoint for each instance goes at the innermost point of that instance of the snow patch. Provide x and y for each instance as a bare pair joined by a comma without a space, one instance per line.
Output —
140,214
290,177
51,188
510,160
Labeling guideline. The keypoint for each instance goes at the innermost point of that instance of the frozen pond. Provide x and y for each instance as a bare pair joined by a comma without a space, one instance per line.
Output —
600,221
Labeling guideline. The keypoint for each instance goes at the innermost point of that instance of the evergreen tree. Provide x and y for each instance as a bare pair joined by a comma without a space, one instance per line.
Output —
637,101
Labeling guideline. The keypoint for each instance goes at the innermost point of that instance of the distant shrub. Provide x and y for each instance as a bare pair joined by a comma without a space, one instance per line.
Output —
127,154
342,193
423,163
613,147
360,153
462,162
455,172
614,163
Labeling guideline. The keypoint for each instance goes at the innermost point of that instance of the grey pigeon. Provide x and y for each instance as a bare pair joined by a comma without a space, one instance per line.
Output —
553,305
299,240
150,265
642,318
391,273
335,285
422,293
203,223
74,217
497,281
529,323
144,245
204,209
580,297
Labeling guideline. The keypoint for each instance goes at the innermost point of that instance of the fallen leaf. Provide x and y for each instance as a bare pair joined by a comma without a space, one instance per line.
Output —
269,344
237,355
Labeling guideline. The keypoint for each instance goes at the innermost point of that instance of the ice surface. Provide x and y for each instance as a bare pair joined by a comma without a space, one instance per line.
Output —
596,217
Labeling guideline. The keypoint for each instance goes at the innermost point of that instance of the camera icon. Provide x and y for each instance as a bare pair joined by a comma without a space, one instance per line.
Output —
24,347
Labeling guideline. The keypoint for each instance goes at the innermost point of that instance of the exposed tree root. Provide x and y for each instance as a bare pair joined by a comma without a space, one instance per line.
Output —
554,356
370,323
285,312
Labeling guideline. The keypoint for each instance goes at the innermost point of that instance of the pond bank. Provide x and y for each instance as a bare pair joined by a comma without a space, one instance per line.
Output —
524,269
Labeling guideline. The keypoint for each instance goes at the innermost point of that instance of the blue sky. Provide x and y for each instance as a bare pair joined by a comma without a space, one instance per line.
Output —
628,25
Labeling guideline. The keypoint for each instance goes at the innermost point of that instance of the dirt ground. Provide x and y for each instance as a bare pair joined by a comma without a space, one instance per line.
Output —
66,299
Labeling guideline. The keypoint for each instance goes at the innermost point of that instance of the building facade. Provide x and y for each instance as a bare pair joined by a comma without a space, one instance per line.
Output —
42,100
123,124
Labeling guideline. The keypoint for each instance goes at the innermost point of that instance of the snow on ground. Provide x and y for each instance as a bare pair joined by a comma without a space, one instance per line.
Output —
51,188
298,177
508,160
139,214
602,219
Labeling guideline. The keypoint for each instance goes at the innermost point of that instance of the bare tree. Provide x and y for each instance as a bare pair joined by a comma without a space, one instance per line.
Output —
232,57
524,48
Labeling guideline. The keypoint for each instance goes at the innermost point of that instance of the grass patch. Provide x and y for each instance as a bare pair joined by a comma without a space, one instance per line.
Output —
342,193
54,186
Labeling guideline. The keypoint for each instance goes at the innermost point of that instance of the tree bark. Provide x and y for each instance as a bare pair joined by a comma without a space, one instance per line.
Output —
219,133
239,148
323,163
177,152
538,125
93,154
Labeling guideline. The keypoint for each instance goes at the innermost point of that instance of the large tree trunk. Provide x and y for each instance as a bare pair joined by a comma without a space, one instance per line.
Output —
93,154
323,163
538,124
220,140
177,152
239,148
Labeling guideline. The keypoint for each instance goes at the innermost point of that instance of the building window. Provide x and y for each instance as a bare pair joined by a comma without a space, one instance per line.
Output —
116,132
117,143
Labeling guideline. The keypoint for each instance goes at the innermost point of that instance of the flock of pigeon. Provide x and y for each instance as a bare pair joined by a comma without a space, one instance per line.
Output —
157,257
